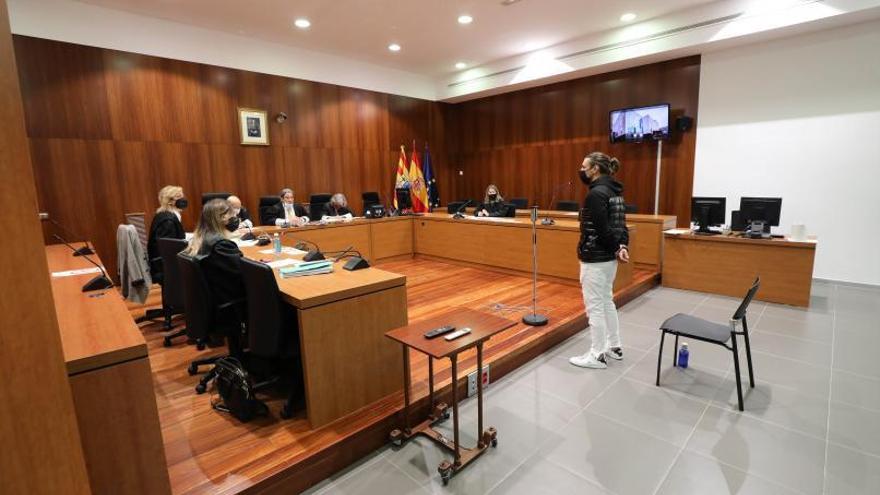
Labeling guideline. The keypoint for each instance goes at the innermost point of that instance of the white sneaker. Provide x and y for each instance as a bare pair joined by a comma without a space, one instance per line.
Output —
615,353
589,360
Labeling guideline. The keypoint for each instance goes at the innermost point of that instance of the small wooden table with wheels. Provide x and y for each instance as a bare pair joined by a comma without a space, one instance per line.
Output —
483,326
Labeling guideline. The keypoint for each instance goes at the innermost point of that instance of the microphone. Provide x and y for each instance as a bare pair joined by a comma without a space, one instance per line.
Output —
341,254
461,208
312,254
99,282
76,252
548,220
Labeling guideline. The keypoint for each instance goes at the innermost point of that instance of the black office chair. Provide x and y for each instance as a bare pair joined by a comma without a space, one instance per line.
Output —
631,208
214,195
202,316
509,210
316,205
272,328
172,286
266,204
567,206
683,325
520,203
370,199
453,206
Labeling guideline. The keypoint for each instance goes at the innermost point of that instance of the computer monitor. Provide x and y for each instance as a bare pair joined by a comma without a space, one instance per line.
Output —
707,212
765,210
404,200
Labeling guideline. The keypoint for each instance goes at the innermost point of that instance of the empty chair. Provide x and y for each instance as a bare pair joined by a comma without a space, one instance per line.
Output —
172,285
520,203
509,210
267,203
567,206
453,206
272,328
683,325
214,195
202,316
370,199
317,202
631,208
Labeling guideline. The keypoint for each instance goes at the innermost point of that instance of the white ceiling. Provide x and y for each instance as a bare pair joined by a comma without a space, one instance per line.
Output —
428,30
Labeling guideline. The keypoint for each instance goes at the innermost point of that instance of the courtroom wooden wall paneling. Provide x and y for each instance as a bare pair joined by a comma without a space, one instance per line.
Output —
530,141
39,433
109,128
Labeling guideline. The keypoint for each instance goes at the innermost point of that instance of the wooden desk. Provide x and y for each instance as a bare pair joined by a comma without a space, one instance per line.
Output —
343,317
728,265
111,382
646,250
506,244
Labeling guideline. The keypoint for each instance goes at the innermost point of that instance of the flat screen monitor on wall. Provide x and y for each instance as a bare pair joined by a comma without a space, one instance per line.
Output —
633,125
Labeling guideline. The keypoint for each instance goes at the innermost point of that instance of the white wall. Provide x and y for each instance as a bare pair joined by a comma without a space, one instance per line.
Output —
800,118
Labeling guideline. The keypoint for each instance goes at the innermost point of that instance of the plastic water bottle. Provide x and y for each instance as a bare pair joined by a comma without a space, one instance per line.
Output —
683,355
276,243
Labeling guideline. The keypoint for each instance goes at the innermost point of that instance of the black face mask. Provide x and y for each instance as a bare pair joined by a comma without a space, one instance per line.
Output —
584,177
232,224
181,203
493,197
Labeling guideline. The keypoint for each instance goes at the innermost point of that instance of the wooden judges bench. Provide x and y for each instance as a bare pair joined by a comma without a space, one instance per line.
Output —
503,244
646,249
728,264
111,383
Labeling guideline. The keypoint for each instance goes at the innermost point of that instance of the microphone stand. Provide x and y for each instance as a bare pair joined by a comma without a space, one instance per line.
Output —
458,215
99,282
534,319
76,252
312,254
549,220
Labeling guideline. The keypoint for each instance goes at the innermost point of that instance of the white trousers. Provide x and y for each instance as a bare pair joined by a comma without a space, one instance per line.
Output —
597,284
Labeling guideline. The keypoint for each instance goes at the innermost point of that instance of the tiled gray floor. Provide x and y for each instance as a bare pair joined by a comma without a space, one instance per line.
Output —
811,425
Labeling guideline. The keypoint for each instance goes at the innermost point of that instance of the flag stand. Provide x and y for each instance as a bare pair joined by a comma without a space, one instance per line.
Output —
534,319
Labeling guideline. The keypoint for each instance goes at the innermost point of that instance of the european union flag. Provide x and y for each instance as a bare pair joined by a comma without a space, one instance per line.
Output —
430,181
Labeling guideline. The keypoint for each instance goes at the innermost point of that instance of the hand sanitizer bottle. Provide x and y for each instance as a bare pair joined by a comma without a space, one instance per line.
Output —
683,355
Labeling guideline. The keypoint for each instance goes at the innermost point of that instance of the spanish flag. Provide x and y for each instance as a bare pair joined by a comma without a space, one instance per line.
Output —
402,179
418,188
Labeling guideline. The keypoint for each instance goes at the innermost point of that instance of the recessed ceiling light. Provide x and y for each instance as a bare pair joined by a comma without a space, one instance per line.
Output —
465,19
394,47
460,65
629,16
302,23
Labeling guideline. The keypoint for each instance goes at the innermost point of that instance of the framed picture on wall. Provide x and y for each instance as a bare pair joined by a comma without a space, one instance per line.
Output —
254,126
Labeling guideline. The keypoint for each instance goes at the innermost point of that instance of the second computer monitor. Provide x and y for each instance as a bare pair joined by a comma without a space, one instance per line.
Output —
707,212
766,210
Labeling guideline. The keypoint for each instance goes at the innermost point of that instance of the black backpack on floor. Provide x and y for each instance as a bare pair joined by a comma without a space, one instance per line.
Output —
236,391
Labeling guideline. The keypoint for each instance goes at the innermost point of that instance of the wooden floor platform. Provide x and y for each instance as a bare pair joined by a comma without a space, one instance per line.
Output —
210,452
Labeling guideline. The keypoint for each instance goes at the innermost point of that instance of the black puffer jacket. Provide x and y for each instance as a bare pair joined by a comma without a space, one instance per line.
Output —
603,221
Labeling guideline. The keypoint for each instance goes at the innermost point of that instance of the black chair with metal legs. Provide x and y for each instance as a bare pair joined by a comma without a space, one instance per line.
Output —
682,325
172,287
273,333
204,317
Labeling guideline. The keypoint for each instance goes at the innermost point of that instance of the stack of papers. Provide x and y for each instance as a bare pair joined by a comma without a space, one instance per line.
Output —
677,231
307,268
285,250
284,262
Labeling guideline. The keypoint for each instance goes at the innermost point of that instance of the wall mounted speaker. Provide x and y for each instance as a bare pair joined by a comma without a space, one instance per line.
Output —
684,123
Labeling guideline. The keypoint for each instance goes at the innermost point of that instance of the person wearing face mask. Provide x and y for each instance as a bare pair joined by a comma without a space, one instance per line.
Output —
287,213
493,204
220,257
244,217
166,224
337,206
603,242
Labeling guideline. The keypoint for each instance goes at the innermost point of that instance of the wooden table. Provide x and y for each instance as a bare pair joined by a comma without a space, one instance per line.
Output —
483,326
342,317
646,249
728,265
111,382
506,244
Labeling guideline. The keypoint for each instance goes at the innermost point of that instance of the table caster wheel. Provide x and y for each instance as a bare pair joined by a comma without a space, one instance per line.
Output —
445,470
396,437
495,442
166,342
201,388
441,411
200,345
192,370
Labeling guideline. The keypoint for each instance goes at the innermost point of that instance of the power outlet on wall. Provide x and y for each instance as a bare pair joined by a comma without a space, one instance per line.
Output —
472,381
